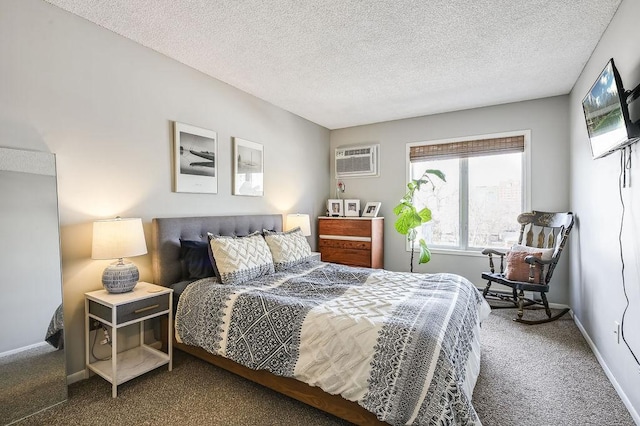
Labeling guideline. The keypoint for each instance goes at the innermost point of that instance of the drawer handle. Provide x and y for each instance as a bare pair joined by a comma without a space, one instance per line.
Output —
148,308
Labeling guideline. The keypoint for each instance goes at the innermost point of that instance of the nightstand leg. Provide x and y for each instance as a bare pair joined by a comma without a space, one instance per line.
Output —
114,360
86,339
170,331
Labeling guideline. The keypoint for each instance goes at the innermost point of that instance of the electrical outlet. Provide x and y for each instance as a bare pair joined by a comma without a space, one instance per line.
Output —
616,331
94,325
107,337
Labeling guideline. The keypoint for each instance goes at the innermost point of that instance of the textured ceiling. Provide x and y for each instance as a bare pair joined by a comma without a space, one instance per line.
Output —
342,63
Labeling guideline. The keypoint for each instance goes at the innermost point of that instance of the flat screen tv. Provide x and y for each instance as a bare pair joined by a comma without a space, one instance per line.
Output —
607,114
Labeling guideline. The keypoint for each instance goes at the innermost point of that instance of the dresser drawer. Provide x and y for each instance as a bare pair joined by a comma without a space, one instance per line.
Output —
131,311
351,257
344,244
351,227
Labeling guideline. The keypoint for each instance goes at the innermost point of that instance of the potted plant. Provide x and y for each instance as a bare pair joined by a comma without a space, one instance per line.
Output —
409,218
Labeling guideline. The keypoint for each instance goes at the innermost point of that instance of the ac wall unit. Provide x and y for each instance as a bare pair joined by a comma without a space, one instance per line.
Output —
357,161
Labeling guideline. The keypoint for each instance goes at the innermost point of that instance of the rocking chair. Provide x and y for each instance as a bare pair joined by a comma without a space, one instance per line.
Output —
530,265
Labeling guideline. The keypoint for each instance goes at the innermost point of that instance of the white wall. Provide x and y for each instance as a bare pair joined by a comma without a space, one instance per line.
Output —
104,105
597,294
546,118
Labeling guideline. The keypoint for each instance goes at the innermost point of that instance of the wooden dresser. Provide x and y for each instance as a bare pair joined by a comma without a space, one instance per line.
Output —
354,241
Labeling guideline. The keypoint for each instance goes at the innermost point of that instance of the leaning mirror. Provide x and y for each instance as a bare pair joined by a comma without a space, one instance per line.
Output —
32,361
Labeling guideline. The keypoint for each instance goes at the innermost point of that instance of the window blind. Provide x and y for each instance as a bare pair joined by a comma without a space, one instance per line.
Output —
464,149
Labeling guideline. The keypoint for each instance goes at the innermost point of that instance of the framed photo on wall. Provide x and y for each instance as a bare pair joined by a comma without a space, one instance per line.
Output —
248,168
352,208
194,159
371,209
335,207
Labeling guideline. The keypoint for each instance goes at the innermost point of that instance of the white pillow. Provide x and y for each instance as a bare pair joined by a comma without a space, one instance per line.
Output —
240,259
287,248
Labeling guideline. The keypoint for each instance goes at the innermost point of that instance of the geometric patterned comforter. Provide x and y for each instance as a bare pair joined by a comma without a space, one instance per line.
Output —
403,346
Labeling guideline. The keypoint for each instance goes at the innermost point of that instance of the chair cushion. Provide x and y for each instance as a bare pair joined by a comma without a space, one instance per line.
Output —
547,253
517,269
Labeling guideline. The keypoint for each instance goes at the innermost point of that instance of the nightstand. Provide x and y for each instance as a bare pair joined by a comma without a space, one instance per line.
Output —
144,302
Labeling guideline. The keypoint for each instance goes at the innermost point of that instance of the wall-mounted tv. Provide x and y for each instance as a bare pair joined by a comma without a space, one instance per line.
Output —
607,114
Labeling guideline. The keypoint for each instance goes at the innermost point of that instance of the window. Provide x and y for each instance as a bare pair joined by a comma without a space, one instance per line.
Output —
484,193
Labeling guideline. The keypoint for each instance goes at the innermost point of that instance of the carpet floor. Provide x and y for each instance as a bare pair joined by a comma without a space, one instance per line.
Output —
530,376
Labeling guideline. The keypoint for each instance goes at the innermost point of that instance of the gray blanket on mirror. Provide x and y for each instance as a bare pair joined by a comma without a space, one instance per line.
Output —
55,331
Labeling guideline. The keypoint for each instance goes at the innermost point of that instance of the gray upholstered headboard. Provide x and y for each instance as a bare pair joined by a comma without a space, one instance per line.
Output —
167,232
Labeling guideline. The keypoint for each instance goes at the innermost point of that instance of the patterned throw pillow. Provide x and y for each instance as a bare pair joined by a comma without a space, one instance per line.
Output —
518,270
240,259
547,254
287,248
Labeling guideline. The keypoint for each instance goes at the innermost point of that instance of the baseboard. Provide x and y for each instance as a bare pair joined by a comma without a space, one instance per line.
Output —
22,349
634,414
76,377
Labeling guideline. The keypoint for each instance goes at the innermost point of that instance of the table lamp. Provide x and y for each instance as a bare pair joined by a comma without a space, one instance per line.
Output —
115,239
299,220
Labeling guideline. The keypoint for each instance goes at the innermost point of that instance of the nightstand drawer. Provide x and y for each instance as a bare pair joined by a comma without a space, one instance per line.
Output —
142,308
131,311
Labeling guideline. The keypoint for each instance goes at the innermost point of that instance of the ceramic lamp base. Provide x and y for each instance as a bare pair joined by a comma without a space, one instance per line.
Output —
120,277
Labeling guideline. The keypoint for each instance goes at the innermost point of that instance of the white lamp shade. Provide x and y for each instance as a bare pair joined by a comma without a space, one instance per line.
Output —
118,238
299,220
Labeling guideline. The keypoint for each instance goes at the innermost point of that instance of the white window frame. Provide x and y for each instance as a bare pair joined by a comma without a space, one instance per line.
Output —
526,183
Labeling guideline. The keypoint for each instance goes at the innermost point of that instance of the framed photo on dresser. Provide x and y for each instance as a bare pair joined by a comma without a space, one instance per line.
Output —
335,207
352,208
371,209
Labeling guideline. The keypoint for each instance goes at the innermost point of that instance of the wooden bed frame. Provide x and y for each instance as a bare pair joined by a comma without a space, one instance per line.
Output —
165,257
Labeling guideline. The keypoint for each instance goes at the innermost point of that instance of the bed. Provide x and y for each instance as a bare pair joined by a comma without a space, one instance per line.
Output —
369,346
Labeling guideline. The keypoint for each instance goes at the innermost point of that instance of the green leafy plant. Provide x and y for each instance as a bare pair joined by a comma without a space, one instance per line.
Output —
409,218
